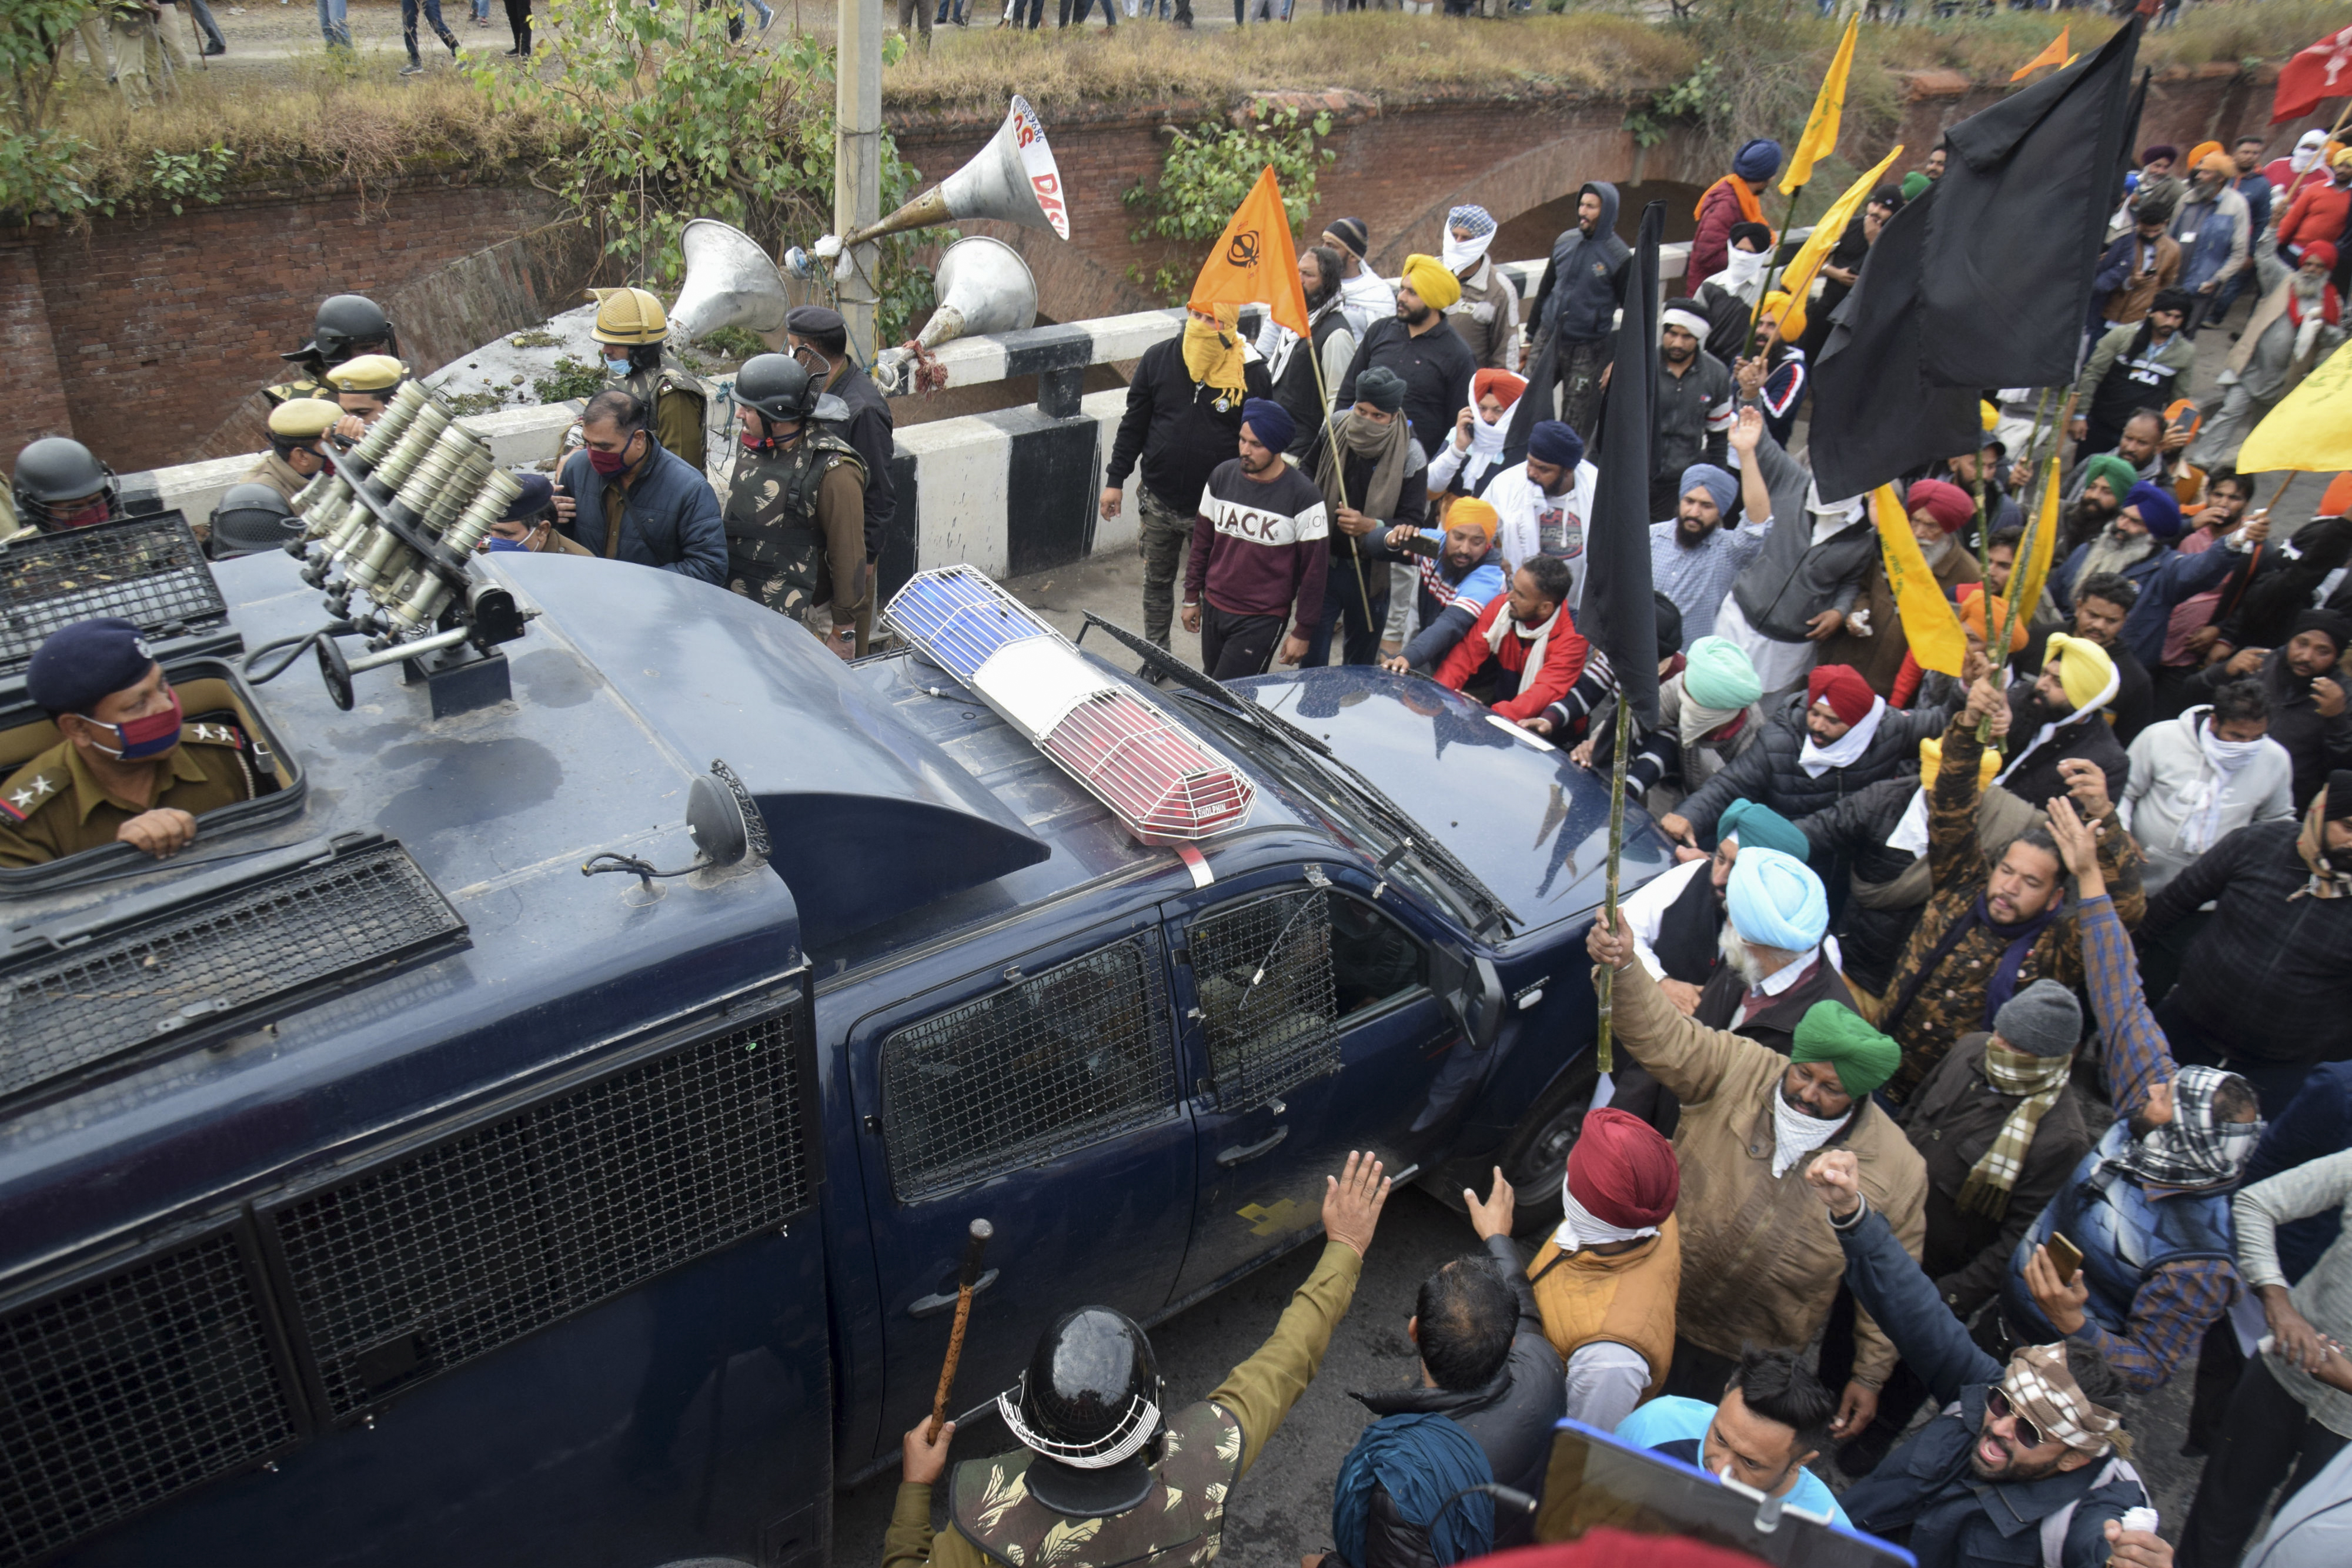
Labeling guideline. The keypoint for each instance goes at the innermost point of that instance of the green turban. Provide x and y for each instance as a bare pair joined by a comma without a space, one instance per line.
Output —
1761,828
2119,475
1719,675
1915,185
1835,1033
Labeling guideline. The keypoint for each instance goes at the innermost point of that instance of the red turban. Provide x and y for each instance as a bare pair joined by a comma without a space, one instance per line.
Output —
1950,505
1620,1549
1848,694
1505,386
2320,251
1624,1171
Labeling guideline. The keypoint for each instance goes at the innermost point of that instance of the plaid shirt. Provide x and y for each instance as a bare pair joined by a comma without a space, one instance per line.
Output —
2178,1301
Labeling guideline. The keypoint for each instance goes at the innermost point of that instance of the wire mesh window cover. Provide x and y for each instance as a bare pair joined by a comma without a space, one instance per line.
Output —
150,572
1269,997
121,1393
1157,777
193,970
959,617
1063,1059
421,1265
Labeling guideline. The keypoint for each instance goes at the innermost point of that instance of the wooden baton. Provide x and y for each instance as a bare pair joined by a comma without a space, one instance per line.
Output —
965,1283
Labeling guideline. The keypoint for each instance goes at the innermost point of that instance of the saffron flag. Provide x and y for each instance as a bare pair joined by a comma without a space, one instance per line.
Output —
1253,260
1929,622
1798,281
1820,139
2307,430
2030,573
2321,71
2055,55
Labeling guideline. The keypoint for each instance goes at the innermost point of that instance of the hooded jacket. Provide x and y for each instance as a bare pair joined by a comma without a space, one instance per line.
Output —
1585,282
1795,578
2169,776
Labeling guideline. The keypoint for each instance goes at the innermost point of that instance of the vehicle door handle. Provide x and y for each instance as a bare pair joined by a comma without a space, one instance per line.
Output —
932,1306
1241,1154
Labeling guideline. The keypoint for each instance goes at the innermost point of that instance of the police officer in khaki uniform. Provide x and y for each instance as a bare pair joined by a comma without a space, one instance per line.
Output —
631,325
362,388
128,770
294,457
348,326
816,337
795,507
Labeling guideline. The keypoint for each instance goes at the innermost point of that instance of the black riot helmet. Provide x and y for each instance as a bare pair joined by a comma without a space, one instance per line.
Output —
56,471
250,519
778,386
1087,1404
347,325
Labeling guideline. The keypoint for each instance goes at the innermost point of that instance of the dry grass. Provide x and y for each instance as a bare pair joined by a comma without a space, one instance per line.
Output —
1383,54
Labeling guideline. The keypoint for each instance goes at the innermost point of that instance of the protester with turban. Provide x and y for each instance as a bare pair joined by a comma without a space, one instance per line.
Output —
1545,501
1458,574
1677,918
1777,967
1364,297
1415,343
1605,1279
1261,548
1695,552
1467,463
1737,197
1760,1263
1373,480
2059,717
1486,314
1874,641
1712,707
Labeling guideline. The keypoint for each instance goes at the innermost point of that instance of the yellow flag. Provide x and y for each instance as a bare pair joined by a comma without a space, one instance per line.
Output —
1820,139
1798,281
1253,260
2055,55
2308,429
1929,622
2032,572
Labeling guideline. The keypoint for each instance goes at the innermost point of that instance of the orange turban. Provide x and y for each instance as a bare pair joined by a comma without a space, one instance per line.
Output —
1972,616
1470,512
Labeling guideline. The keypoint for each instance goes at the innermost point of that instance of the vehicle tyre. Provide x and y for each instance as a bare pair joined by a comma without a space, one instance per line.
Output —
1535,1156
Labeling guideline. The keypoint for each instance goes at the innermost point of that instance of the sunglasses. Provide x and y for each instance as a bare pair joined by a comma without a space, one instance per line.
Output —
1999,1407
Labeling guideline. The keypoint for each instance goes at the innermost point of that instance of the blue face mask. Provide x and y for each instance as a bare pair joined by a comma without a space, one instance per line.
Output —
619,367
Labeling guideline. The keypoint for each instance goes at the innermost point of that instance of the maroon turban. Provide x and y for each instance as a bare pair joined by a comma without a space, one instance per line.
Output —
1948,504
1624,1171
1848,694
1610,1548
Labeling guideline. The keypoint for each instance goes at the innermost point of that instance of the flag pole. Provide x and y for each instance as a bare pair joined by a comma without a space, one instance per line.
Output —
1339,470
1997,648
1602,1054
1780,243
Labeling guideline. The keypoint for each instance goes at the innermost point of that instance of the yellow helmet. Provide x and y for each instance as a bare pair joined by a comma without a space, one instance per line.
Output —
629,316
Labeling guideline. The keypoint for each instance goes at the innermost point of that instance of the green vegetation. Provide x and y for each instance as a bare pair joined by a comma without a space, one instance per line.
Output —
573,377
1206,174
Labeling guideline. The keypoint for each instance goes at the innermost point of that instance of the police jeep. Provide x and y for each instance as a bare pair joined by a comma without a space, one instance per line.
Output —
376,1188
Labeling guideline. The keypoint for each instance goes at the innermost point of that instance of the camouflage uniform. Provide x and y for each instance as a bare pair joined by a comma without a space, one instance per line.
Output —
678,401
1949,1001
796,527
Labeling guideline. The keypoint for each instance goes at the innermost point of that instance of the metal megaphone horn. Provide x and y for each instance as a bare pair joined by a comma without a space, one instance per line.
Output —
1013,179
983,287
729,282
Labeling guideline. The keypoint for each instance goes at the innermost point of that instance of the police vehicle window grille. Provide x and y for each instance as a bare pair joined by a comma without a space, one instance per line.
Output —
1269,997
421,1265
75,1011
1065,1058
121,1393
150,572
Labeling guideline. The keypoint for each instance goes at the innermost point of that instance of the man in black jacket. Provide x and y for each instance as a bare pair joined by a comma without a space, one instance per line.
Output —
2059,717
2309,716
1576,304
2024,1454
1418,345
1485,1366
819,340
2282,924
1179,429
2103,603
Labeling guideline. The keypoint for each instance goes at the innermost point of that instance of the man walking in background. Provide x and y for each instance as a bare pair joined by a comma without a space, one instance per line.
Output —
1260,544
1576,305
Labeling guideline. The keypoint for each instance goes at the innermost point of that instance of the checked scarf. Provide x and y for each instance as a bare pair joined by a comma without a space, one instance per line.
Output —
2041,1080
2196,1148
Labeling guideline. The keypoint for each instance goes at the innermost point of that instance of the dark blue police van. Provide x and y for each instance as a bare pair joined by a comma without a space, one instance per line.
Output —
375,1187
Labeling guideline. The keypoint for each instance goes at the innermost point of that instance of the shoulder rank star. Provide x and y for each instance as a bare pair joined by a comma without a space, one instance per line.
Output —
19,804
216,733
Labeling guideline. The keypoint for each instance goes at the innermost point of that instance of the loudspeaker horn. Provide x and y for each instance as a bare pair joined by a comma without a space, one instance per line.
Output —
729,282
1013,179
983,287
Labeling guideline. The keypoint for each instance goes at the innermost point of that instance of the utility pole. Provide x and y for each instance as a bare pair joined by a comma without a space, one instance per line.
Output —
857,164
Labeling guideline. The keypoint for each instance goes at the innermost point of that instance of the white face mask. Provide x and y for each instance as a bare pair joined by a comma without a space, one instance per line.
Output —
1797,1132
1743,266
1462,255
1487,440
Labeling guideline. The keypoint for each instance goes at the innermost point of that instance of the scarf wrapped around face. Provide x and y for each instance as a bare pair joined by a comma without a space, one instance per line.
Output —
2325,880
2202,826
1352,435
2197,1148
1213,355
2041,1080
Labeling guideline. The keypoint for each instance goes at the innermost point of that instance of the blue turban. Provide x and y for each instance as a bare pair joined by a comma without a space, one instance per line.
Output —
1759,160
1552,442
1720,485
1269,422
1776,899
2156,508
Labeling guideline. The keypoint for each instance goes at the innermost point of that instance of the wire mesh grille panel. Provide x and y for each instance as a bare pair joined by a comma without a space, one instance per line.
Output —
960,617
119,1392
75,1011
1269,997
422,1264
1057,1060
150,572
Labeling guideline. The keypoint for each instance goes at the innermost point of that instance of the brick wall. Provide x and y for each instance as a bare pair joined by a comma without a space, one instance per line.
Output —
28,350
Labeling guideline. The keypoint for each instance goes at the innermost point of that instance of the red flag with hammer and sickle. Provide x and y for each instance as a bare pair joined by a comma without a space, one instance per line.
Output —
2321,71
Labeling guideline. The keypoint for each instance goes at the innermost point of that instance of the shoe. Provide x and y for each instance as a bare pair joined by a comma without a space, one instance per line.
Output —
212,49
411,69
452,42
514,54
768,23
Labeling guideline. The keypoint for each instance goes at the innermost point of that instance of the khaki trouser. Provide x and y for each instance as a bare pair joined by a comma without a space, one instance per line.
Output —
146,61
96,44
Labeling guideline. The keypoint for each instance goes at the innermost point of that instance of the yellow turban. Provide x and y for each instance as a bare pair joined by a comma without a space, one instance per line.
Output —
2204,149
1470,512
1427,276
2085,672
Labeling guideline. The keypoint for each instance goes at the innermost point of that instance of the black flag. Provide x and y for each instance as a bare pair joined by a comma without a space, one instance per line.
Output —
1619,614
1984,281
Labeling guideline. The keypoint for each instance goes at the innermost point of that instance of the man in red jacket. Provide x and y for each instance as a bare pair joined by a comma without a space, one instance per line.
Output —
1524,652
2318,212
1736,198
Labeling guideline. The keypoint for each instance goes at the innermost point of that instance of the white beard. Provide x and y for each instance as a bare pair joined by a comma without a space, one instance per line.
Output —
1734,948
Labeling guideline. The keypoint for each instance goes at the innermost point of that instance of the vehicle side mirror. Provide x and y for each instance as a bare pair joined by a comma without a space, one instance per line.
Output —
723,820
1473,993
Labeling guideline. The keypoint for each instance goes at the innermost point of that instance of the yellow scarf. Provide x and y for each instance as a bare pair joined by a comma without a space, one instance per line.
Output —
1213,355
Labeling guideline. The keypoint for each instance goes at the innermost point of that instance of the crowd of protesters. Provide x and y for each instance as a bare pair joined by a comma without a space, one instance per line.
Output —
1985,1059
